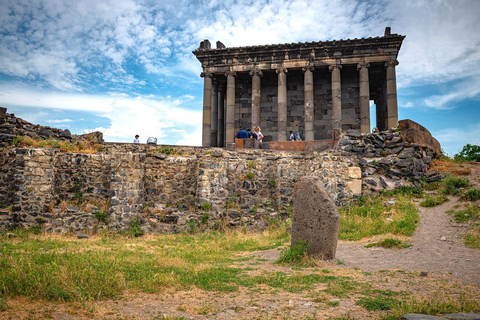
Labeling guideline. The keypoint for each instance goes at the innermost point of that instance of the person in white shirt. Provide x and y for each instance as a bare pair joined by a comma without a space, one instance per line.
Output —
258,133
136,139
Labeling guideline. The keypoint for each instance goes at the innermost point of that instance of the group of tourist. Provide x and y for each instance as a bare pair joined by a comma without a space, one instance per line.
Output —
248,134
294,137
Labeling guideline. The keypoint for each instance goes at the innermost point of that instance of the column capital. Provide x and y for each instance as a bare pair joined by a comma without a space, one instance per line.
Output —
230,73
282,69
391,63
311,68
256,71
206,74
334,66
363,65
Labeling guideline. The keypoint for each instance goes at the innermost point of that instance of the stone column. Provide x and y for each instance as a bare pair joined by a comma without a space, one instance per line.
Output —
336,97
392,108
364,97
230,110
214,131
256,94
207,108
308,107
221,116
282,104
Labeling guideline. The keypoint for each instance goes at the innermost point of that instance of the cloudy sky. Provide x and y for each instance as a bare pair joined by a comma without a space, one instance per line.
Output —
125,66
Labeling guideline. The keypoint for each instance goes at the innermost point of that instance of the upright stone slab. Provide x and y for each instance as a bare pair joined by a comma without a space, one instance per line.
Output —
315,218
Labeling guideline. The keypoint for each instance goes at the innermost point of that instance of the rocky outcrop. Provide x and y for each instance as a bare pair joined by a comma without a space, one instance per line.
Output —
11,127
387,161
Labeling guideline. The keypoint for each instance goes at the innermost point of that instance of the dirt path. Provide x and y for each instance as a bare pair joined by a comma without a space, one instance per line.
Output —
436,246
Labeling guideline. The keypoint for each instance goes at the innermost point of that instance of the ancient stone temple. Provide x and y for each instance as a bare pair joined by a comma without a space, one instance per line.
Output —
314,88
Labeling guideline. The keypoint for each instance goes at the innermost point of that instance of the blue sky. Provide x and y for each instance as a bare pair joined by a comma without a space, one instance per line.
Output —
125,66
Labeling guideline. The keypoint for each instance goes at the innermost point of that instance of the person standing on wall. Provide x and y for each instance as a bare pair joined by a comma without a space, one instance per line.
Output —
292,136
136,140
259,134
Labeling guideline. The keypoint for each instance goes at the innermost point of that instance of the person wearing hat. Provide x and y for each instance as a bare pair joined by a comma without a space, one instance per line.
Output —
136,139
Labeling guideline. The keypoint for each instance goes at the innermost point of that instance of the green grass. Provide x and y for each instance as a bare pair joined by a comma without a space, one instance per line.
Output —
390,243
377,303
452,184
472,240
472,194
433,307
294,254
470,212
250,175
103,267
370,217
434,200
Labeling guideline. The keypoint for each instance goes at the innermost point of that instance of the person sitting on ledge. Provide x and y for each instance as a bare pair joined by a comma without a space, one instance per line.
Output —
242,134
292,136
136,140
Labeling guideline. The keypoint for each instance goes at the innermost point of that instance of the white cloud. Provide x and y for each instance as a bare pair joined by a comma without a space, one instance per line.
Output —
453,139
139,46
466,89
144,115
60,121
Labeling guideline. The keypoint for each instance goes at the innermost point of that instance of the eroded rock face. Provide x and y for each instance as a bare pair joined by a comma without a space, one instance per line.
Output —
315,218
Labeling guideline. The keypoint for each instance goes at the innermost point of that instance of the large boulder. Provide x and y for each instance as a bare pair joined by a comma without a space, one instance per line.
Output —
315,218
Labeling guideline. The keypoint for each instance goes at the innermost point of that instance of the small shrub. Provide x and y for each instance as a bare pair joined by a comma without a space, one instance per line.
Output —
432,201
206,206
165,150
472,194
251,164
295,253
272,183
3,304
77,189
100,215
390,243
452,184
134,228
250,175
192,226
205,217
17,140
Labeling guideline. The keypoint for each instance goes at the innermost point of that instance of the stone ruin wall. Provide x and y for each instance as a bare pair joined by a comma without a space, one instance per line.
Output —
166,191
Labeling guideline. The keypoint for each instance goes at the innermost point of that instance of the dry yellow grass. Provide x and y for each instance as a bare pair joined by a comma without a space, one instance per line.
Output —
445,166
64,146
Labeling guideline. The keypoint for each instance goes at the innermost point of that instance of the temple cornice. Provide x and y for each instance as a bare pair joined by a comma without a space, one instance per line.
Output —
386,47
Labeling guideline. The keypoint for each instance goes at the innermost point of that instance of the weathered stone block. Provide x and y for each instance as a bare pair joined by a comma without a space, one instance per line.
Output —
355,186
315,218
354,172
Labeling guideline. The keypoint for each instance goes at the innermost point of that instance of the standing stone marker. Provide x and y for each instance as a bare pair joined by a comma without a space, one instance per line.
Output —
315,218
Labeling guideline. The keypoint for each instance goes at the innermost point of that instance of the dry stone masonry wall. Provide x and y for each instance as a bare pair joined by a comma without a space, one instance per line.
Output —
166,192
172,189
